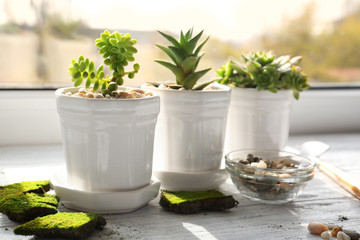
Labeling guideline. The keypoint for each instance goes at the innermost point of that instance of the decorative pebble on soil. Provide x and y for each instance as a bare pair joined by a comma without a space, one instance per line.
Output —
121,92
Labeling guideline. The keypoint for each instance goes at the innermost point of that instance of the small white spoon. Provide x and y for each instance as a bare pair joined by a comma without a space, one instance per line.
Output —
313,149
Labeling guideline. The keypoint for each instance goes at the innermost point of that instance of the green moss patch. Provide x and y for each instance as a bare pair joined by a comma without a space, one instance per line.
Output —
17,189
184,196
69,225
28,186
27,200
192,202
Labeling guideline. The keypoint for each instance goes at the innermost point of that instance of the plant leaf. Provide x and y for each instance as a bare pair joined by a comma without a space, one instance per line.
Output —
296,60
91,67
171,39
170,54
203,85
120,69
176,87
239,69
88,82
96,85
188,64
104,85
82,66
131,49
178,53
296,94
282,59
189,34
71,69
190,46
92,75
253,67
285,68
113,42
87,61
176,70
191,79
197,62
101,75
78,82
154,84
85,74
77,75
118,36
182,39
99,69
200,46
228,68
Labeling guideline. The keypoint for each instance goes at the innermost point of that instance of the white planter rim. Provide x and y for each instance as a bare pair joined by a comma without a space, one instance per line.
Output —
60,93
222,88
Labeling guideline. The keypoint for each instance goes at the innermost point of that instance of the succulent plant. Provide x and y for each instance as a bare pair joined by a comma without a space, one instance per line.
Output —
117,50
185,55
265,71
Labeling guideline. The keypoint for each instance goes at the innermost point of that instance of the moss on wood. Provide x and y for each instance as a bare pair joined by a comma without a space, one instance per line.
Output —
192,202
29,186
74,225
27,200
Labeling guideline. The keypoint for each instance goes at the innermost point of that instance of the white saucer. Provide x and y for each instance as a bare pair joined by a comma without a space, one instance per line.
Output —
195,181
103,202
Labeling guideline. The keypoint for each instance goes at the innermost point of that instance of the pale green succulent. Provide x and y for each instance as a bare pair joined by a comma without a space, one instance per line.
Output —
117,50
265,71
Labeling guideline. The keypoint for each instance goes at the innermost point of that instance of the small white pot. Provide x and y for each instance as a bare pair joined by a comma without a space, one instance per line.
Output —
108,143
191,130
258,119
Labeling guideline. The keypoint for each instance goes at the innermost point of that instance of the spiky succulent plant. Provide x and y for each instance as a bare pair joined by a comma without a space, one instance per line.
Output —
185,55
117,50
265,71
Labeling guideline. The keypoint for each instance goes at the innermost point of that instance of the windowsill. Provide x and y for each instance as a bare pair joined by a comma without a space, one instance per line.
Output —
319,201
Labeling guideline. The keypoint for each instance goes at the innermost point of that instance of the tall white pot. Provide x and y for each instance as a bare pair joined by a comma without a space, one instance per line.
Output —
191,130
108,143
258,119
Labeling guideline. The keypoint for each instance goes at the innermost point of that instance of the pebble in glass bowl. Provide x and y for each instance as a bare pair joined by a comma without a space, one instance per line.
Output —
269,176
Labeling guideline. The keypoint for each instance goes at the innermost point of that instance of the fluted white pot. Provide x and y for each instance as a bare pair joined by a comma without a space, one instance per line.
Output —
190,134
108,143
258,119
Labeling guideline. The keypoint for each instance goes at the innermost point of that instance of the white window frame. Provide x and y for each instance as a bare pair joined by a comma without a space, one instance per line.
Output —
30,117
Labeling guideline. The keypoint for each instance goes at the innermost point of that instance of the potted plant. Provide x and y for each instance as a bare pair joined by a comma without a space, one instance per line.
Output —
107,129
263,87
191,126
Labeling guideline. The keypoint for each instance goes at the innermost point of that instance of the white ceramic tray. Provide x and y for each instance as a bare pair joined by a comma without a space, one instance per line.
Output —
103,202
191,181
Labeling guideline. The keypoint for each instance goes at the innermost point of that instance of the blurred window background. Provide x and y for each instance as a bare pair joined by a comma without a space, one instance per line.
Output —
38,38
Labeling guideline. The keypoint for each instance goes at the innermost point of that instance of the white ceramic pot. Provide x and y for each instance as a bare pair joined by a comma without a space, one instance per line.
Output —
258,119
191,130
108,143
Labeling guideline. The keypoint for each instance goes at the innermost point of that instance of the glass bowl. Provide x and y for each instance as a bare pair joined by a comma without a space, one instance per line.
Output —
269,176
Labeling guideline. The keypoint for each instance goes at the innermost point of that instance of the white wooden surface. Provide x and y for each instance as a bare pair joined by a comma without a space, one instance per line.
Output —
322,200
